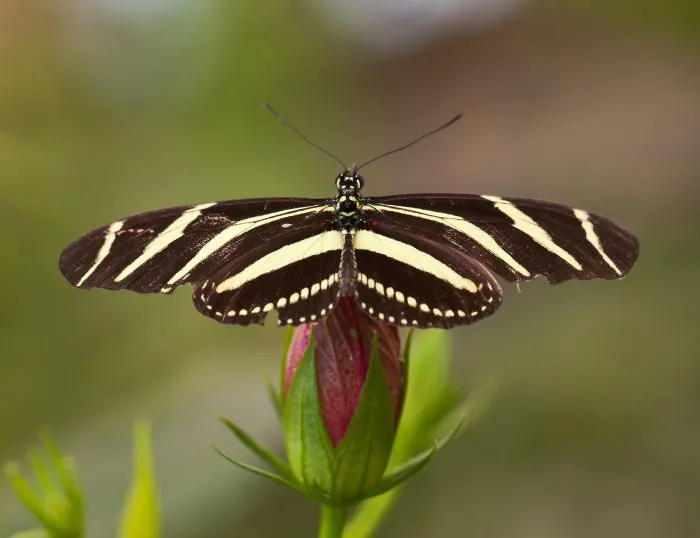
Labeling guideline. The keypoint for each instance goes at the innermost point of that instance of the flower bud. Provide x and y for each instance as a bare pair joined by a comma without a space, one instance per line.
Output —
343,390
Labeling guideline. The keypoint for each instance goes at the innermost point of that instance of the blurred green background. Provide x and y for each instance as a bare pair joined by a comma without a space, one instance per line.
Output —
112,107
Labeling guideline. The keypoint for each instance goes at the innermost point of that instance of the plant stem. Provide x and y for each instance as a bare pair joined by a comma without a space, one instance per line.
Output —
370,515
332,522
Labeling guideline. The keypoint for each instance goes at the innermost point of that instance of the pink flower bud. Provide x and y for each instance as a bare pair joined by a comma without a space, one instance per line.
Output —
343,348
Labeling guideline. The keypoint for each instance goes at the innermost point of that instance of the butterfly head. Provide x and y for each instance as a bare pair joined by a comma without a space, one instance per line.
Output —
349,182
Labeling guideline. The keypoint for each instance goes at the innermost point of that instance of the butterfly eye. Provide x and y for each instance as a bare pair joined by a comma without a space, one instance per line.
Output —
359,181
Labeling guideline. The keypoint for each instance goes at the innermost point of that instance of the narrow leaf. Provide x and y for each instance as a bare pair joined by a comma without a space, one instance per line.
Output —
68,479
28,496
44,478
430,369
260,472
275,397
406,355
63,465
141,513
257,449
428,395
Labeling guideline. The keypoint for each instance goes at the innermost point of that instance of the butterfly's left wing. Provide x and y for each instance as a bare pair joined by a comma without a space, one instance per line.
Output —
249,256
297,275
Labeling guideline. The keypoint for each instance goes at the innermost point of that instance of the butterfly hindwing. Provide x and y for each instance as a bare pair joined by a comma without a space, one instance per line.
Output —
414,281
298,278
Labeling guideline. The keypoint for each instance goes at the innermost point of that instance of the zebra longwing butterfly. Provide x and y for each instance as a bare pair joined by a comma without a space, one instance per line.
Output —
421,260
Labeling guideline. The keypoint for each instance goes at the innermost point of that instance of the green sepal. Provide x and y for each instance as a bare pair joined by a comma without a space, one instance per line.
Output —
411,467
363,454
292,484
257,449
141,516
402,473
288,337
405,368
309,449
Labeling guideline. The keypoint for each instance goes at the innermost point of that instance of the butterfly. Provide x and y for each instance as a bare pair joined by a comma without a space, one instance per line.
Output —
421,260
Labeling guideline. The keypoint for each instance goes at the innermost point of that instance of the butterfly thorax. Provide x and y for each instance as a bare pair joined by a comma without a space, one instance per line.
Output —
348,200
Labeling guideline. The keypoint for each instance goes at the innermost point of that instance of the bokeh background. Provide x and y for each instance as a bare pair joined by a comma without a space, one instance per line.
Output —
113,107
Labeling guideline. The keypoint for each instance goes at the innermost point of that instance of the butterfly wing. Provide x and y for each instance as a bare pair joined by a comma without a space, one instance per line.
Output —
416,281
297,275
254,252
517,238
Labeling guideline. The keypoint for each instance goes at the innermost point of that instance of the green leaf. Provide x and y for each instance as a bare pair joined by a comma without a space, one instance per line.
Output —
260,451
275,397
44,479
406,355
34,533
141,512
309,449
292,484
429,370
57,501
363,454
28,496
67,477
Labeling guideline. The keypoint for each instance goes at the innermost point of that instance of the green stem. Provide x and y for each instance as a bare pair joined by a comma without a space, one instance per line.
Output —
332,522
371,514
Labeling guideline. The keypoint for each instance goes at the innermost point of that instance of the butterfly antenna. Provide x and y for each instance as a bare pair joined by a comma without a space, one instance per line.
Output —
421,137
284,122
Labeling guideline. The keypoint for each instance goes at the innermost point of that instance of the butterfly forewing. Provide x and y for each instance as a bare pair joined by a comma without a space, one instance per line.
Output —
158,251
517,238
